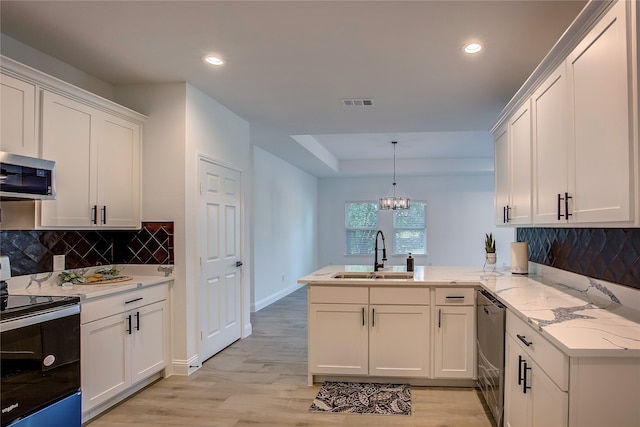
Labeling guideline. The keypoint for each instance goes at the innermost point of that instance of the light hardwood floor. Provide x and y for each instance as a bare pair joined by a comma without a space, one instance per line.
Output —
262,380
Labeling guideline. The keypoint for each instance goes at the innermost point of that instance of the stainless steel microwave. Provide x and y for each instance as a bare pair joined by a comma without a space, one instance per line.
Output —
23,177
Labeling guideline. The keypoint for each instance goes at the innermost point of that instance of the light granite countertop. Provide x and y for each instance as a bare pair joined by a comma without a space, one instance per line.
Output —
589,322
45,284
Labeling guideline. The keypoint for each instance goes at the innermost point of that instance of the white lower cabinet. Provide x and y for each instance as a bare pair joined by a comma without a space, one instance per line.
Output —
362,331
123,342
531,397
454,328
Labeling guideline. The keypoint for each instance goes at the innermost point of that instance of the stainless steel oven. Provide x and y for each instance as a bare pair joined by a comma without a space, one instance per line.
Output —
40,361
490,321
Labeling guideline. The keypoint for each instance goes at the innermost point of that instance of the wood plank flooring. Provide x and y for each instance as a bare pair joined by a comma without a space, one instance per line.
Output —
262,380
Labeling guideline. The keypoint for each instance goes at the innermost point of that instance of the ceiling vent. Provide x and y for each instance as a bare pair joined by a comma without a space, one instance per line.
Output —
357,102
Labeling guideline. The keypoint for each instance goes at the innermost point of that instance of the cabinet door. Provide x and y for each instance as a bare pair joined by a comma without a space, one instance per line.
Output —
501,175
118,196
550,405
68,132
149,345
520,166
399,341
17,116
104,360
551,142
338,339
454,342
517,405
602,142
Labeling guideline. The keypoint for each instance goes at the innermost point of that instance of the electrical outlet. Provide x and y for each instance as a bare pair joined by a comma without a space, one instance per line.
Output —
58,262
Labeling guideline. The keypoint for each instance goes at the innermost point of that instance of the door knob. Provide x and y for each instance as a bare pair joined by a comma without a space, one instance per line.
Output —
238,263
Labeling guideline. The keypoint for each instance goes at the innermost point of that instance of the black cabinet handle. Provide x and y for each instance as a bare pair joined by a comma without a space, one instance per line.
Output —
524,340
439,318
129,324
525,387
504,214
133,300
520,369
566,206
94,215
103,214
566,214
137,320
373,317
362,316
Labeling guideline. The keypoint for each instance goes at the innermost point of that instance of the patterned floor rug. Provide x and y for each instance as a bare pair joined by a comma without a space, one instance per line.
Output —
363,398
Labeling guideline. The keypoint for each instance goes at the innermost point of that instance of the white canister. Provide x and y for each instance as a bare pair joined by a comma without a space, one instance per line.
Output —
520,257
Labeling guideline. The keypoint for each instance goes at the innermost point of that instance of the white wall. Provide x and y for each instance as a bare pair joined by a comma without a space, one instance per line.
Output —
183,124
285,227
459,213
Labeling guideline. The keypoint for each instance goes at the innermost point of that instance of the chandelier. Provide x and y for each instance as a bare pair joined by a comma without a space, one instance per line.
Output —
391,201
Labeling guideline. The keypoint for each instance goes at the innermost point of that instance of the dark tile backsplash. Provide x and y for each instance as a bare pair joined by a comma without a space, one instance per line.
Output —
611,254
32,251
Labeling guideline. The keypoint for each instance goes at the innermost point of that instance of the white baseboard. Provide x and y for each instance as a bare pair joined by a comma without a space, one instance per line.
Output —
185,367
259,305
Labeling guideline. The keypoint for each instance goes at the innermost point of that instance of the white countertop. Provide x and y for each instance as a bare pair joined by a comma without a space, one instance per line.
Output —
46,284
582,323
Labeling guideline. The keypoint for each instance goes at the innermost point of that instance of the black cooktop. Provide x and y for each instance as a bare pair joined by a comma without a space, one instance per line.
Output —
12,306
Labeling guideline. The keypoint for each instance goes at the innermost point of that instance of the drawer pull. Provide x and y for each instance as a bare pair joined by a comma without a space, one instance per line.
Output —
133,300
455,297
524,340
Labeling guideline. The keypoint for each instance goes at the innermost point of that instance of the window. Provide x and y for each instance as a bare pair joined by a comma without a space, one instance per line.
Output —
410,230
361,224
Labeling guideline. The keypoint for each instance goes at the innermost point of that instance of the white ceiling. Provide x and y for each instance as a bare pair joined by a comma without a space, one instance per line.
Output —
289,63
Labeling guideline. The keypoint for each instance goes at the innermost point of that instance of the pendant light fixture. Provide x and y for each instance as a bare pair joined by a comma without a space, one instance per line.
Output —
391,201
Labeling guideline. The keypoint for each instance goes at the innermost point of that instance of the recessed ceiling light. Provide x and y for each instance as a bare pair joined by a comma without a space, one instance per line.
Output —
473,48
213,60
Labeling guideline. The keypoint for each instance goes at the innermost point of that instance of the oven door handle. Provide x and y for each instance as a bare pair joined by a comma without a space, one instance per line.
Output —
41,317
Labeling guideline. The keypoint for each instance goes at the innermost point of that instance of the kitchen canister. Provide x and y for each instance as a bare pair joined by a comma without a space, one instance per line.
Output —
519,257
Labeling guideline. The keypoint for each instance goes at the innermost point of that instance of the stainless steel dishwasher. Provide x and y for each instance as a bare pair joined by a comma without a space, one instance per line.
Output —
490,319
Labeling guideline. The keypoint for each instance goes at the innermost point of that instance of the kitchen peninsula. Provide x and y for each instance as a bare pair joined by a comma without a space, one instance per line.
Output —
583,348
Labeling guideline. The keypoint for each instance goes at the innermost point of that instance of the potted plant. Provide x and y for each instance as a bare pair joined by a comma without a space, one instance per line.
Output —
490,249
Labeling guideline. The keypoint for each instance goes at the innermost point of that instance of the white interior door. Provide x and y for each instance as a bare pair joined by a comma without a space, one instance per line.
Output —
219,231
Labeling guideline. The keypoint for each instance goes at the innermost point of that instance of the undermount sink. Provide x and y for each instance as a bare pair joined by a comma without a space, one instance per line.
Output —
374,275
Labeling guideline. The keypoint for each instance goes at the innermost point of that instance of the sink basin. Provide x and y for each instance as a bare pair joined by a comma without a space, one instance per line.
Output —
374,275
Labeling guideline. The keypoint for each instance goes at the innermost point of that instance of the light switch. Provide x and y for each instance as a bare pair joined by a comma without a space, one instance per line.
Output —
58,262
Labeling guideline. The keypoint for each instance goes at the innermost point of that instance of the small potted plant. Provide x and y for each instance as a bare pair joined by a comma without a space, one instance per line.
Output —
490,249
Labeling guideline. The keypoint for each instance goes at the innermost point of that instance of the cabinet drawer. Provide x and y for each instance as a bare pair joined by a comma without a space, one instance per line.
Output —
402,296
550,359
455,296
100,308
337,295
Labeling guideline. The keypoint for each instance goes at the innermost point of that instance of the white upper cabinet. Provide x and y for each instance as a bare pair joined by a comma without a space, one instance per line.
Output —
583,132
599,81
97,158
551,144
513,169
17,116
519,211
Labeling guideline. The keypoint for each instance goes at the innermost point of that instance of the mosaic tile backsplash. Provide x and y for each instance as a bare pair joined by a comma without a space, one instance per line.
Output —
31,251
611,254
